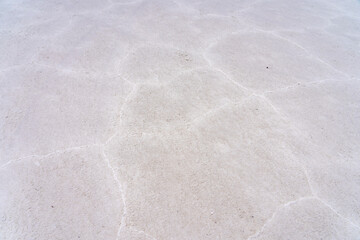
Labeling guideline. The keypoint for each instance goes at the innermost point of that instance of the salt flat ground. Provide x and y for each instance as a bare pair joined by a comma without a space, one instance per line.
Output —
183,119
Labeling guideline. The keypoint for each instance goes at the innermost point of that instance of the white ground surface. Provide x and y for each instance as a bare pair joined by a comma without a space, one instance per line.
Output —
182,119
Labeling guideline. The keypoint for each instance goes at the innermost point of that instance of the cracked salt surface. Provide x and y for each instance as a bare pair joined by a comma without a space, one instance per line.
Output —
179,119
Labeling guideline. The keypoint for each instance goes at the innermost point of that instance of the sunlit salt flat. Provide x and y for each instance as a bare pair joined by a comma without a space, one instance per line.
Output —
179,119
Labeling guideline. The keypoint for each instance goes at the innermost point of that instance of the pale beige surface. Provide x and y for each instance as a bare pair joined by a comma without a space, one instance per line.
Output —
183,119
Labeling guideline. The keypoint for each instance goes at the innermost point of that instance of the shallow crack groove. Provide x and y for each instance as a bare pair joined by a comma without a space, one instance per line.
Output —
121,189
120,186
175,78
308,179
296,85
337,213
134,89
210,112
288,204
142,232
225,74
271,105
217,109
234,82
49,154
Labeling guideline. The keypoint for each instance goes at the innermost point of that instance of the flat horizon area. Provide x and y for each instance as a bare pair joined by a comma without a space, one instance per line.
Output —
179,120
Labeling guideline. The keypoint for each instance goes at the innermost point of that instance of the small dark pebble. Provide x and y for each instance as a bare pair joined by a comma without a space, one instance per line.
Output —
267,67
52,206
